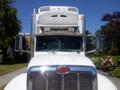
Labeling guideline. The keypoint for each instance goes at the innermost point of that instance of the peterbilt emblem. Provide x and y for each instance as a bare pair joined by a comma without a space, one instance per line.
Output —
63,70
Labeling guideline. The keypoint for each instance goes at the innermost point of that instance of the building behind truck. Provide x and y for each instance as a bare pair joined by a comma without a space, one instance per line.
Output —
57,54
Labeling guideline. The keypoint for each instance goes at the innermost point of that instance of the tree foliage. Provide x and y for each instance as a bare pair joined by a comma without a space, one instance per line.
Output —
111,32
10,25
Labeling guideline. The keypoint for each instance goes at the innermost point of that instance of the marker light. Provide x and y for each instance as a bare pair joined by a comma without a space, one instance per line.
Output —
63,70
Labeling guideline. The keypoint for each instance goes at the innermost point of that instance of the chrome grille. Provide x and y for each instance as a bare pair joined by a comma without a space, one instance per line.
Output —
72,81
77,79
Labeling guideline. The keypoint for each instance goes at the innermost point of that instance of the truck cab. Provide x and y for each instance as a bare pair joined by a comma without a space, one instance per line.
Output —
57,54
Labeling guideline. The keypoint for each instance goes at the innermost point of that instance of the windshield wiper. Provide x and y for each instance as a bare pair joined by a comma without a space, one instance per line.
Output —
71,50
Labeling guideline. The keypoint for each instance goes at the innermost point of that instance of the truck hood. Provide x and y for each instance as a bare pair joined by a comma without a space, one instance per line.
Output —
60,58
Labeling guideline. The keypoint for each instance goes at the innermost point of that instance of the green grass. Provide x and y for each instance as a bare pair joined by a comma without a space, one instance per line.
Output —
4,69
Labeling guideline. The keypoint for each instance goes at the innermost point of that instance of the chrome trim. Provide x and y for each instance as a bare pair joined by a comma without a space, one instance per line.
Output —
78,81
29,84
46,80
73,69
62,81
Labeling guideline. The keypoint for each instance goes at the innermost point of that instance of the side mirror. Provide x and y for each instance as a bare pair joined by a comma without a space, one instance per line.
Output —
99,43
24,43
18,42
93,43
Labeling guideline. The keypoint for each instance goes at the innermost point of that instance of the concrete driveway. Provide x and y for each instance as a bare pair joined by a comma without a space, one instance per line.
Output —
6,78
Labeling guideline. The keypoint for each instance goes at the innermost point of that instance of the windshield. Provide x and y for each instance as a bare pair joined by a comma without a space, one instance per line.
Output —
61,43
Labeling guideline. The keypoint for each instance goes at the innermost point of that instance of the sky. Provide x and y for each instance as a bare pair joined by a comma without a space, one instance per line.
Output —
92,9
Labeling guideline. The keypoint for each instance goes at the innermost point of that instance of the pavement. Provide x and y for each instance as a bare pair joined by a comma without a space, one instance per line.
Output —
6,78
115,80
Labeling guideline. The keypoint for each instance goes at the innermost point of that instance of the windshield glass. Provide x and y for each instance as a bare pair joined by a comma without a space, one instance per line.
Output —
61,43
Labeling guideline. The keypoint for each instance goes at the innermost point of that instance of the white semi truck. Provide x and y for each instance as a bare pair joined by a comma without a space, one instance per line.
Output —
57,51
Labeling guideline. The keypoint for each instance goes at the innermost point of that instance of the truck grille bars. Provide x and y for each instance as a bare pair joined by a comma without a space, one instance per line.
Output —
54,81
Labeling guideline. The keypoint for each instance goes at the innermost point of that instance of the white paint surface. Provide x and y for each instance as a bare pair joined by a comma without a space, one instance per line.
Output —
60,58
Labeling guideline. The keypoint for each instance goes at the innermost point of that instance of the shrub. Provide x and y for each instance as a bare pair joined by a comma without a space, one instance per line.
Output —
107,63
110,64
117,59
96,54
115,72
113,51
98,64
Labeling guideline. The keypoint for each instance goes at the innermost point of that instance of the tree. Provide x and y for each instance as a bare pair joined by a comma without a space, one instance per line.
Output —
10,25
111,32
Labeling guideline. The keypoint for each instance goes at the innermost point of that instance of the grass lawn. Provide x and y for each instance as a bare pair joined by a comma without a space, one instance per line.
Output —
4,69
